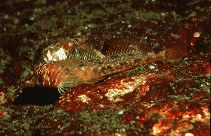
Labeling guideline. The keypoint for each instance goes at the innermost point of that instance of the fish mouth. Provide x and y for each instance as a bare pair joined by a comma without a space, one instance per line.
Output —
29,83
30,80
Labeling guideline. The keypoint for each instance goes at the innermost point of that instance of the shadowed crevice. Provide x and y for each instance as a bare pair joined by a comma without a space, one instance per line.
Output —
37,96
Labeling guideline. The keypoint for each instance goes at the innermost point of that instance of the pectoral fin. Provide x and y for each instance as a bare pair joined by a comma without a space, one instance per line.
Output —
64,87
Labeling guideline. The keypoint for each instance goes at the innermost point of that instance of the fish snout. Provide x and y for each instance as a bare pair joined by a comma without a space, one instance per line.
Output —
30,80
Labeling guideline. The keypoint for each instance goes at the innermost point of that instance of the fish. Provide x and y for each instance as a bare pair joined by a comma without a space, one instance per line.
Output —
66,74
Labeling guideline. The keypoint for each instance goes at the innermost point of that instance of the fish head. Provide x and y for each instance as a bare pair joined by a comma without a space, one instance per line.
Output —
36,77
46,75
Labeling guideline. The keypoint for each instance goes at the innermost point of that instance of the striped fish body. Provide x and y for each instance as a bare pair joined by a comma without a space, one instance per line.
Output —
66,74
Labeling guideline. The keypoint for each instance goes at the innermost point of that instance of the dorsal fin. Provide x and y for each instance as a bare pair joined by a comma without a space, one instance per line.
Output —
115,46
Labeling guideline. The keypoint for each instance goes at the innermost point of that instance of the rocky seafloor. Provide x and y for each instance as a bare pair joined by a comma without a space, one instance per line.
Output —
168,96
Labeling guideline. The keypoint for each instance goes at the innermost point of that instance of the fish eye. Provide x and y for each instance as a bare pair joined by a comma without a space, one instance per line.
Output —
39,70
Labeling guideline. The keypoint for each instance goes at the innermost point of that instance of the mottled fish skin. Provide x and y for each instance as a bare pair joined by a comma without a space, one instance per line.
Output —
66,74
